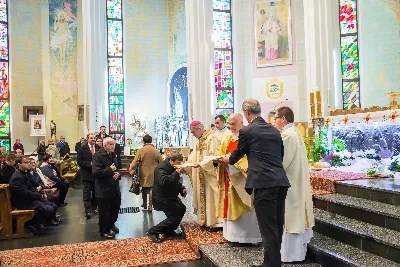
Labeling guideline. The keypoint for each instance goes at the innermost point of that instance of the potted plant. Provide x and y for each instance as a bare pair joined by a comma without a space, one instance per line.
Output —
395,167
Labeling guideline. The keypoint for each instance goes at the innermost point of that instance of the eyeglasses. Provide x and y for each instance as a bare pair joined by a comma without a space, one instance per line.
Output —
275,118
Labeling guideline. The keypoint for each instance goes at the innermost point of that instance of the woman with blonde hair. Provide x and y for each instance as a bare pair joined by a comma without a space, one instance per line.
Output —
146,159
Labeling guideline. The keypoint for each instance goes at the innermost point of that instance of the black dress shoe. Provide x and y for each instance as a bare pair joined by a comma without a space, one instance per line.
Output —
175,235
107,234
51,223
33,229
256,266
88,215
115,229
155,238
214,229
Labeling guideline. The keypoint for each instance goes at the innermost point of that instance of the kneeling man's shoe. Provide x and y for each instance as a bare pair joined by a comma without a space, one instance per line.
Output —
115,229
175,235
155,238
107,234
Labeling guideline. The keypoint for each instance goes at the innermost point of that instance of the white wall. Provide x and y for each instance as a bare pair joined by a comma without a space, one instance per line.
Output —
146,41
379,43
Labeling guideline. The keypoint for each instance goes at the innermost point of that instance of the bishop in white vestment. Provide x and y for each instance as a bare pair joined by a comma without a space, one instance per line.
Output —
234,203
205,185
299,217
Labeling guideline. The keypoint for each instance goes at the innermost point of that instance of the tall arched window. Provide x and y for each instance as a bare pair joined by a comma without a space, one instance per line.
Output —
4,84
115,70
349,50
223,56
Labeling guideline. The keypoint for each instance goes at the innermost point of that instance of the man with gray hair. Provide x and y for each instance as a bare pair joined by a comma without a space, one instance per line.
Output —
234,203
205,185
262,143
166,188
108,194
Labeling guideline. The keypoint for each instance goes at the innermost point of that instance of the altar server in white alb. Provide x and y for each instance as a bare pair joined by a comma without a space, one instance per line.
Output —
299,217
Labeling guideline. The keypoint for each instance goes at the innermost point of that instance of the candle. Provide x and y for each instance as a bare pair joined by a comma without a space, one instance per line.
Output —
312,97
310,131
319,111
318,95
312,110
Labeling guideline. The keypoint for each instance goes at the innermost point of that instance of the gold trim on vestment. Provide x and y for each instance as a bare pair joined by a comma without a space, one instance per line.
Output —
202,146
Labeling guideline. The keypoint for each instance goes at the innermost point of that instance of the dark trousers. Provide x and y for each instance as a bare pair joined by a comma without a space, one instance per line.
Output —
89,199
108,212
62,191
269,204
43,212
174,212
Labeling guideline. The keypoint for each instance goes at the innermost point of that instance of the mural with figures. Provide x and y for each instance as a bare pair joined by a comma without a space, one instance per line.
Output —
63,63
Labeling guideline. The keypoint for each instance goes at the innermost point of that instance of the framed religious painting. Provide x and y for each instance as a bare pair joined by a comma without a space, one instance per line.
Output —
31,110
273,36
81,112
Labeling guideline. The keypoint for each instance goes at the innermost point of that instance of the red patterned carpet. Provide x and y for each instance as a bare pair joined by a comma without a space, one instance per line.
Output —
127,252
197,236
324,182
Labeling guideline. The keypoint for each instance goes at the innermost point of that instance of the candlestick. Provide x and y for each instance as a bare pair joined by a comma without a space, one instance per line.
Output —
312,97
319,111
312,105
310,131
318,96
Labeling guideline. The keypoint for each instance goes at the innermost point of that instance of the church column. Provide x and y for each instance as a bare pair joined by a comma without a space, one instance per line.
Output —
319,43
95,64
199,31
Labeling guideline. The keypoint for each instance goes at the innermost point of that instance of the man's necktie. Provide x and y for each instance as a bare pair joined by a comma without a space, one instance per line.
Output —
92,149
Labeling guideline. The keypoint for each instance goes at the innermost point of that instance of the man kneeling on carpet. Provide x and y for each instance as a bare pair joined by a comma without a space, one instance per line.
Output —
166,188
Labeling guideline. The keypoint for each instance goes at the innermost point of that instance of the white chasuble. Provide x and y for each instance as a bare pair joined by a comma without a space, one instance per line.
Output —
299,217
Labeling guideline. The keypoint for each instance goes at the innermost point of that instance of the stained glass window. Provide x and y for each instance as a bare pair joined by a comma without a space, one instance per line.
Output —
115,70
350,54
223,67
4,82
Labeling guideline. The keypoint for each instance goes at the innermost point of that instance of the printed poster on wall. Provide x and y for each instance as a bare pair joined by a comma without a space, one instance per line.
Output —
37,125
272,33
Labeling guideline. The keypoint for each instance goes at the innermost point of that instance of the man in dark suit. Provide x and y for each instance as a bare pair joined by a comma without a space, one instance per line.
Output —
166,188
64,148
107,189
118,151
25,193
85,153
8,169
103,133
262,143
79,144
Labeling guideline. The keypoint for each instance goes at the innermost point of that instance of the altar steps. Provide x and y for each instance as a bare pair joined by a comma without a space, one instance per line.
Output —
359,226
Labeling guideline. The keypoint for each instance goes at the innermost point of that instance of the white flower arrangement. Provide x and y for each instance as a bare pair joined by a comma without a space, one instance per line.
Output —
359,154
345,154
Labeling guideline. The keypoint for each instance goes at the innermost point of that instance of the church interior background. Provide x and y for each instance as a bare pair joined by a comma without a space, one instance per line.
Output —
153,66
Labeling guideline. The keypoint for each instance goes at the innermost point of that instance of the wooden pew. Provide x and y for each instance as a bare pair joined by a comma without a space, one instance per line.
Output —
7,215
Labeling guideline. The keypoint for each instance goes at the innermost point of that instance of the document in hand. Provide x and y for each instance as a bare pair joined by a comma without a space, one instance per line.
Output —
232,170
207,159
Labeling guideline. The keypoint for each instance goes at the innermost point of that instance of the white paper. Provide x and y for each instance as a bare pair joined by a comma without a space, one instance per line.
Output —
232,170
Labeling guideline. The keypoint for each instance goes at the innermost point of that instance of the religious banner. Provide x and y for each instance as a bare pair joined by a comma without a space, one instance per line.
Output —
273,33
37,125
63,64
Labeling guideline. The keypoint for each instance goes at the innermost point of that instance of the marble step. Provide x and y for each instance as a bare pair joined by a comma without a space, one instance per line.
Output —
371,238
225,255
376,213
332,253
381,190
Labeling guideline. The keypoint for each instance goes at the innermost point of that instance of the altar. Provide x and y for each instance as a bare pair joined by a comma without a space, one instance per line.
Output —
352,145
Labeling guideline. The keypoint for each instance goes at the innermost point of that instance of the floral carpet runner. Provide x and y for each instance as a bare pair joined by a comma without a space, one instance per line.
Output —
126,252
324,182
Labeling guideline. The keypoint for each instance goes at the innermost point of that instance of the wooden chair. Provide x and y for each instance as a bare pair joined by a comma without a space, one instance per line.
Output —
7,215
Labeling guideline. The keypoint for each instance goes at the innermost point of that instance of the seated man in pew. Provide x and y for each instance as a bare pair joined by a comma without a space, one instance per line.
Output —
49,171
8,169
25,194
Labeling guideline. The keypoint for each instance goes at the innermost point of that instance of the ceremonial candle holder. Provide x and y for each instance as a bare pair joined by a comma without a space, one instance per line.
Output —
393,99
